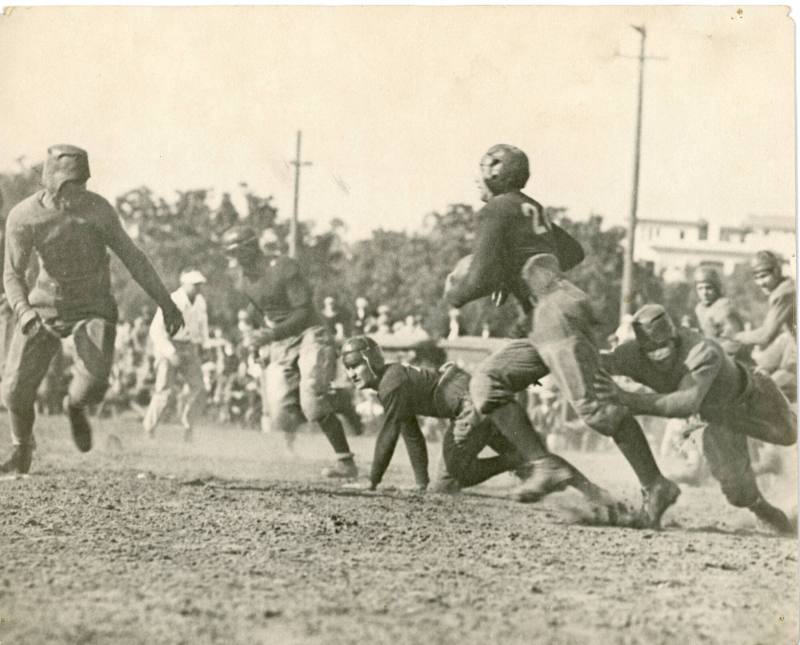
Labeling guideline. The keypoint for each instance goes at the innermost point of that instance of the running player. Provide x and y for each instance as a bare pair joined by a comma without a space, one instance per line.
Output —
71,230
519,250
301,353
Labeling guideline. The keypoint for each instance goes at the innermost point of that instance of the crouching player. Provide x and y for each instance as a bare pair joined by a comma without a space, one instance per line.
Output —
406,391
691,375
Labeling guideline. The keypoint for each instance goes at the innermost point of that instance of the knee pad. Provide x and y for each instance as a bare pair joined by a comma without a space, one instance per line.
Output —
288,420
316,407
605,418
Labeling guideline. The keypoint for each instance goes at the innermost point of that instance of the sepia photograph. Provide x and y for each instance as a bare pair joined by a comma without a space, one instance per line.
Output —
394,325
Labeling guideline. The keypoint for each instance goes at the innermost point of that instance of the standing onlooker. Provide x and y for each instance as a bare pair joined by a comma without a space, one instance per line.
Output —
180,355
363,319
333,319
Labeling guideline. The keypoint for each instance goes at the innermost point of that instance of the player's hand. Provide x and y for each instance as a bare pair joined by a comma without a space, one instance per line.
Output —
499,297
606,388
173,319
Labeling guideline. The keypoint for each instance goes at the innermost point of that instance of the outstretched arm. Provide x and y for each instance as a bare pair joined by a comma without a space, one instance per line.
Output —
779,313
486,266
141,270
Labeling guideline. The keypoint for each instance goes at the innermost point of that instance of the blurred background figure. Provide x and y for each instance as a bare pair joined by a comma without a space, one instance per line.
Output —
180,356
334,320
363,318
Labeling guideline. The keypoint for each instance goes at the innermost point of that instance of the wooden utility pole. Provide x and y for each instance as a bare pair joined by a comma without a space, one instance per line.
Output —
628,291
297,163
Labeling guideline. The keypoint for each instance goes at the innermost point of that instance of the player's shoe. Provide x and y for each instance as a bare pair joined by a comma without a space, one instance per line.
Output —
772,516
81,429
19,463
445,486
345,468
656,499
550,475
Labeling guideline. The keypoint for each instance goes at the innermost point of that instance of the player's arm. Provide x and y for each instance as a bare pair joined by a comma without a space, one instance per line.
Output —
570,252
398,419
485,270
703,366
18,247
779,312
140,268
298,293
731,325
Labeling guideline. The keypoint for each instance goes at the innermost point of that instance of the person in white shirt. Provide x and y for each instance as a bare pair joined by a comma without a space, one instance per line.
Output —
180,355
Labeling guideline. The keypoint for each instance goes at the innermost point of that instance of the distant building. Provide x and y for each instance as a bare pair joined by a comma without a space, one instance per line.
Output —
672,245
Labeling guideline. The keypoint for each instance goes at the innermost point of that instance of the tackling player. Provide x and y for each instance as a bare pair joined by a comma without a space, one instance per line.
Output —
693,375
519,250
301,353
71,230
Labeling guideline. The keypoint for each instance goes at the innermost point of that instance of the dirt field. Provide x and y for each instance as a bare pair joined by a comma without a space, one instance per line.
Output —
228,541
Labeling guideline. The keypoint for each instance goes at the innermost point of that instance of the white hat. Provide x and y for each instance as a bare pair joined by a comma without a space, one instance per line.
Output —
192,277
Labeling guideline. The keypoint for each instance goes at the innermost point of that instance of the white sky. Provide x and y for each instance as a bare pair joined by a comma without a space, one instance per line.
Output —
397,104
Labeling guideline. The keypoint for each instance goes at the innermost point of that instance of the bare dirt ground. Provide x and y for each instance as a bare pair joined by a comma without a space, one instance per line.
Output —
228,541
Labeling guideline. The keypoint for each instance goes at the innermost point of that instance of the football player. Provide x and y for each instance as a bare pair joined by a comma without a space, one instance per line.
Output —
71,230
774,342
716,315
519,250
301,353
406,391
692,375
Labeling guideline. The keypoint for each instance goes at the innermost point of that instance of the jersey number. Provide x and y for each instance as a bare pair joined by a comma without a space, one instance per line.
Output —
540,223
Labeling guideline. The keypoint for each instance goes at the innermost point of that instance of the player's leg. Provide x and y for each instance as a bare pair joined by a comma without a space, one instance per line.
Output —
462,461
493,389
317,367
729,461
764,413
281,388
192,371
574,362
94,357
27,360
160,398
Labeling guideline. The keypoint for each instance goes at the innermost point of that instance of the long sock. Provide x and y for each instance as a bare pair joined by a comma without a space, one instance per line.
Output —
22,425
513,422
633,445
482,469
332,428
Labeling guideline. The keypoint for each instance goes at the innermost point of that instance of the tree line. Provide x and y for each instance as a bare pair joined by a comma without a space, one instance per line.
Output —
404,270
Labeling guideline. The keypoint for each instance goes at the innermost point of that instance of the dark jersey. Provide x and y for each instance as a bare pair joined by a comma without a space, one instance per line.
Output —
281,296
74,280
512,228
404,392
702,376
